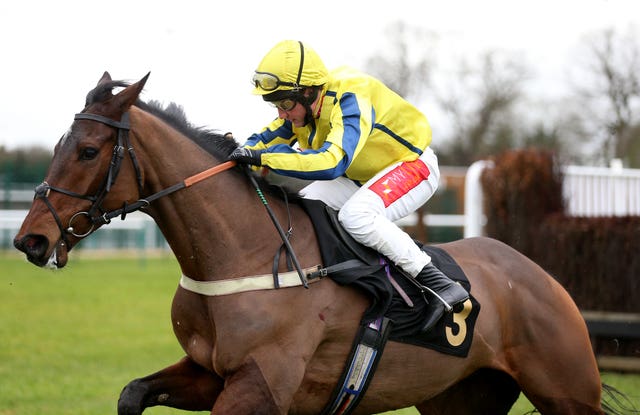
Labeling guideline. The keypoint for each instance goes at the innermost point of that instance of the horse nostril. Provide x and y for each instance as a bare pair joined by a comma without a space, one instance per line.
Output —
35,246
18,243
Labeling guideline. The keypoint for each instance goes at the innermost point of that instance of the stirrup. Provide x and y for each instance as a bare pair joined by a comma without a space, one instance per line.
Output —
447,307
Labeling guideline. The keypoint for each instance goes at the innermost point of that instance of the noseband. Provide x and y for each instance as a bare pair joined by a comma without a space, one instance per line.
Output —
96,215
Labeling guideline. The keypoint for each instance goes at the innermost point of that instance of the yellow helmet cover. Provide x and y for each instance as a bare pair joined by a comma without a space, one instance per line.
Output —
289,65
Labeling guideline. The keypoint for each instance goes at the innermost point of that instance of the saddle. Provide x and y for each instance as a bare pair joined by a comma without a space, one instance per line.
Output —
348,262
398,306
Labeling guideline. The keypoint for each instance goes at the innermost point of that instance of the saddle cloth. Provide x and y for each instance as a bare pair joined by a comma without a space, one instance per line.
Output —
452,335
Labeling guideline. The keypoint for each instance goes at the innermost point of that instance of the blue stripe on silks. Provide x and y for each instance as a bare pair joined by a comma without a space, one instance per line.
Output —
326,174
284,131
399,139
351,123
312,134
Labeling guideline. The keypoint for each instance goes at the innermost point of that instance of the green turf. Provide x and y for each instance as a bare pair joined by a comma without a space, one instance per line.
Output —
71,339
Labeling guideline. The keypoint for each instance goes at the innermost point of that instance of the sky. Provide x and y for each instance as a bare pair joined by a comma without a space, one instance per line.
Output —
201,54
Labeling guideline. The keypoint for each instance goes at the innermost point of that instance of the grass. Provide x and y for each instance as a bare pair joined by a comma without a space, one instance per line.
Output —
71,339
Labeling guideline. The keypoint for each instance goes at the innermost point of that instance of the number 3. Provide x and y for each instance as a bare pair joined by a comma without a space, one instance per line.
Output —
459,320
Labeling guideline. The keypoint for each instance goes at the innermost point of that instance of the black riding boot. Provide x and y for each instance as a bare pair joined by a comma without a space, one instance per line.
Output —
450,293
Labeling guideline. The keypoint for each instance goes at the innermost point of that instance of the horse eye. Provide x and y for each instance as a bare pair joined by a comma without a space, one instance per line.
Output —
88,153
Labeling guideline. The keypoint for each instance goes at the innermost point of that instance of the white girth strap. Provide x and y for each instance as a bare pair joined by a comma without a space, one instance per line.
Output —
250,283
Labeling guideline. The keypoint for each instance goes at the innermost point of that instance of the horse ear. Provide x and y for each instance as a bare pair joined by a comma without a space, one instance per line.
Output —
125,98
105,78
143,80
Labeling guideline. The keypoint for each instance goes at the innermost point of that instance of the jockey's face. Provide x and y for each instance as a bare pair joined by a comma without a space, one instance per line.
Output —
298,112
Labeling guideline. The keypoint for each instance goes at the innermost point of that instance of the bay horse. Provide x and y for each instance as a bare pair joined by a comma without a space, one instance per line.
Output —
282,351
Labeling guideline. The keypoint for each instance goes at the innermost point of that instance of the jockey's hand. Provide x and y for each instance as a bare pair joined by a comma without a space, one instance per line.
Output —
246,156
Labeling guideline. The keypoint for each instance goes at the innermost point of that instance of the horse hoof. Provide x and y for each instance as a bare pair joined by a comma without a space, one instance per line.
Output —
131,399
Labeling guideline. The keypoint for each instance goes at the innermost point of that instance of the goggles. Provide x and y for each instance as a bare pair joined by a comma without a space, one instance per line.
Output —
270,82
286,104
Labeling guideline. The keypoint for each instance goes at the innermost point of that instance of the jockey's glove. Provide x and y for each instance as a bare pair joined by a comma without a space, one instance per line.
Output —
246,156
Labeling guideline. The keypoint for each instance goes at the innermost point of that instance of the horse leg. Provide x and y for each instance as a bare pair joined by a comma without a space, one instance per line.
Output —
247,392
485,392
558,392
184,385
265,384
563,378
562,381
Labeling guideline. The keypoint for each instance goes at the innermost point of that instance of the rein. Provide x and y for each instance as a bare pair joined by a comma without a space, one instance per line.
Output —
43,190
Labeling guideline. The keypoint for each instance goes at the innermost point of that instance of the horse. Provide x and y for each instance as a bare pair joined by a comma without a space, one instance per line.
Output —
282,351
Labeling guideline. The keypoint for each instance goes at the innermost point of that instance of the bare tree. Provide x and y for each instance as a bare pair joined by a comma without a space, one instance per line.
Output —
405,62
479,99
607,85
481,102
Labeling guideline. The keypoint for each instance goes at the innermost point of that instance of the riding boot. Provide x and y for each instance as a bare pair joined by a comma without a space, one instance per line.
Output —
447,293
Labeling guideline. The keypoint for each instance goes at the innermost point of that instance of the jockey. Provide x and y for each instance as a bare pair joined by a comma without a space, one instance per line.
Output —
362,148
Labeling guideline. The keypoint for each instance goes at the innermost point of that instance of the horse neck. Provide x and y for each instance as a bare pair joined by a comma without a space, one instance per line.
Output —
209,225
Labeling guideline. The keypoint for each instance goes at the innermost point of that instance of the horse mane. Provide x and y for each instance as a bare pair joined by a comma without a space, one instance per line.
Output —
173,114
216,144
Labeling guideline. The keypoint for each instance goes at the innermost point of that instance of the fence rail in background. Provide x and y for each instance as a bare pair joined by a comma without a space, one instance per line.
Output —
607,324
589,191
603,324
17,195
600,191
138,231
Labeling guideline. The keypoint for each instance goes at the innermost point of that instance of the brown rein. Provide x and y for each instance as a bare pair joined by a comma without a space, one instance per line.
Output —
189,181
42,191
208,173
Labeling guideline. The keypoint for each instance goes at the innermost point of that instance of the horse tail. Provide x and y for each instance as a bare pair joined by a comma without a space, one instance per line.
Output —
615,402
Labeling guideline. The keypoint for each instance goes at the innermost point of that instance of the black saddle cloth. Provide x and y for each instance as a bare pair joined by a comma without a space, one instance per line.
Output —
452,334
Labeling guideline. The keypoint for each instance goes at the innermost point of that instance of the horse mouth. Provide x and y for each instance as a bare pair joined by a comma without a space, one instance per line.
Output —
35,248
59,256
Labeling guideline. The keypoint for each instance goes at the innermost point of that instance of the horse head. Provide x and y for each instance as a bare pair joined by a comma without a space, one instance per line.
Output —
80,185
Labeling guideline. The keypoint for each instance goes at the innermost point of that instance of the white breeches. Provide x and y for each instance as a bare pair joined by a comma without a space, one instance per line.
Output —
368,212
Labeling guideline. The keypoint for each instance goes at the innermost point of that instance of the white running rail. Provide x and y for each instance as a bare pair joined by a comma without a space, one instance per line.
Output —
601,191
588,191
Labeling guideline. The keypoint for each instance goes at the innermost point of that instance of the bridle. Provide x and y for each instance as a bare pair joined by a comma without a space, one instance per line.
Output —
96,214
99,216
